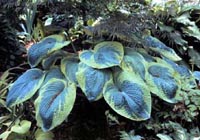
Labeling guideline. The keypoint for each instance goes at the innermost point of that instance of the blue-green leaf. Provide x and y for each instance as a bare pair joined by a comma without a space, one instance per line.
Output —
25,87
134,62
128,95
145,55
50,61
105,54
162,83
46,46
157,46
182,73
69,66
182,70
54,103
92,81
54,72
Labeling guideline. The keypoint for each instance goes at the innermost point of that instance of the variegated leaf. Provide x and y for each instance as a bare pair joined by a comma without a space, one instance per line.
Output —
48,62
25,87
105,54
134,62
183,74
128,95
69,66
162,83
54,103
43,48
54,72
159,47
146,56
92,81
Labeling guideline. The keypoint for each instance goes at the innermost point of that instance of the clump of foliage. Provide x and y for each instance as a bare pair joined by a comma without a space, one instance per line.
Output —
122,23
179,27
130,79
125,78
175,131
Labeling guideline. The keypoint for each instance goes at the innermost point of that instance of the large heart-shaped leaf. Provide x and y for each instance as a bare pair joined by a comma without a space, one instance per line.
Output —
54,72
69,66
182,73
159,47
92,81
161,82
134,62
105,54
180,69
51,60
55,101
46,46
128,95
25,87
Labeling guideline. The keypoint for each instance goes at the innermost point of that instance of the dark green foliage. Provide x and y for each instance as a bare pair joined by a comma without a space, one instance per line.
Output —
10,49
177,132
178,28
129,136
124,24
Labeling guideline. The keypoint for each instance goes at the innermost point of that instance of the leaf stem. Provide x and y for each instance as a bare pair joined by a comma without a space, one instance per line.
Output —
73,46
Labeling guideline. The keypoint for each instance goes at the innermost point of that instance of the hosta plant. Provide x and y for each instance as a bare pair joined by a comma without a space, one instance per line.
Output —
126,78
